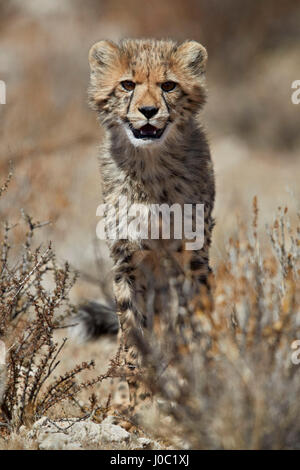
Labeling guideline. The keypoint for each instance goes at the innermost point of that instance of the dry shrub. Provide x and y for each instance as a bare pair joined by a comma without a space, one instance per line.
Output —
226,381
235,386
34,302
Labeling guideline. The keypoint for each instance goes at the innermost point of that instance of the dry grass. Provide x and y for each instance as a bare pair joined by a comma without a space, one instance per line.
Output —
234,387
237,386
30,312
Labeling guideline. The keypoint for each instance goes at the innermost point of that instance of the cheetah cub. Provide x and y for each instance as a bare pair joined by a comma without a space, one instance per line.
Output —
147,95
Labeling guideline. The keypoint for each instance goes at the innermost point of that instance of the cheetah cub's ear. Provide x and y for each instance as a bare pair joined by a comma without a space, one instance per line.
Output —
193,56
102,55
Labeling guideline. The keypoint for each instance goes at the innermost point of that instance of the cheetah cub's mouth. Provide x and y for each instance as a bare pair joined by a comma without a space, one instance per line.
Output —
147,132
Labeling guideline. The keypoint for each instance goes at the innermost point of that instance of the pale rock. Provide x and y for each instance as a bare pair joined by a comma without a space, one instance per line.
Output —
55,441
113,433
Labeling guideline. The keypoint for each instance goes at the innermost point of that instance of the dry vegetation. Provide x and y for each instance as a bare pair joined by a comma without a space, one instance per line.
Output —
29,314
34,303
237,386
229,389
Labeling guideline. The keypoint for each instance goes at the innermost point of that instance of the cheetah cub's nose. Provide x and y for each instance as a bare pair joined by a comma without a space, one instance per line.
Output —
148,111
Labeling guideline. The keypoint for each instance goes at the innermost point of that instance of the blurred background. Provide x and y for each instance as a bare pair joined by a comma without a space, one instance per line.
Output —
51,136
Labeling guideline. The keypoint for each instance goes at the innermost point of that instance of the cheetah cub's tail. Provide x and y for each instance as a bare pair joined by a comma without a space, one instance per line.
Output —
94,320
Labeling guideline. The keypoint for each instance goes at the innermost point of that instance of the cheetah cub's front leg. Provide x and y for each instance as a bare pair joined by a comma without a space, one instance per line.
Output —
131,308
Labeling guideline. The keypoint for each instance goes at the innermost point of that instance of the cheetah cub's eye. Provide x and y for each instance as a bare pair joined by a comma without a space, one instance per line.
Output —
168,86
128,85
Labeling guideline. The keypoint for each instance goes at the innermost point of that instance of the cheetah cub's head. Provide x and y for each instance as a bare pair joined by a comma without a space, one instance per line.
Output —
147,88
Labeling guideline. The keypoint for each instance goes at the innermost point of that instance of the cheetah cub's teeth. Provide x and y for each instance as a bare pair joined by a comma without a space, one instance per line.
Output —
148,131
